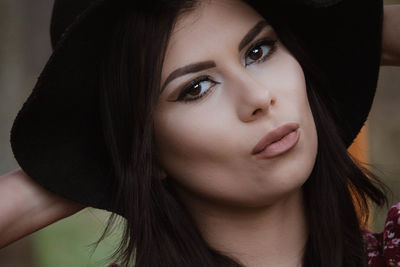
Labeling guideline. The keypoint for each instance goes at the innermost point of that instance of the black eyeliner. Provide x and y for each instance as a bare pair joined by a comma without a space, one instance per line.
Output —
187,87
265,41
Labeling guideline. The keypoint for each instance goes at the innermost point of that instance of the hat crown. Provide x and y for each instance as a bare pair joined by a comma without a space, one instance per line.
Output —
63,15
66,11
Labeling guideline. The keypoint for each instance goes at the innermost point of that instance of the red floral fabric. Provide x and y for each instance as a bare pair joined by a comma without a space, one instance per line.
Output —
384,248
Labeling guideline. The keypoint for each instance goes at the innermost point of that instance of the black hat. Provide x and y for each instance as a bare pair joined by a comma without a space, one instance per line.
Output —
57,136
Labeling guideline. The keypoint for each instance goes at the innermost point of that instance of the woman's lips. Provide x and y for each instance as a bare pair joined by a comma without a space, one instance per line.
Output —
277,141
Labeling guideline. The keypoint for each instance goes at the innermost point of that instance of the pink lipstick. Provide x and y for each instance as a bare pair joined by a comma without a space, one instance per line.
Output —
278,141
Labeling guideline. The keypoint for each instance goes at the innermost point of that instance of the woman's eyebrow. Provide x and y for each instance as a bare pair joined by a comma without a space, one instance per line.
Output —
196,67
252,34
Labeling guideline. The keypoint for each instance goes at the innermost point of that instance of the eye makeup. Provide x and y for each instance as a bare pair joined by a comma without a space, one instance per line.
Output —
194,91
193,87
263,42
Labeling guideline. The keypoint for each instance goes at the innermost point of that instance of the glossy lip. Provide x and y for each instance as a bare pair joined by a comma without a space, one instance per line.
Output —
274,136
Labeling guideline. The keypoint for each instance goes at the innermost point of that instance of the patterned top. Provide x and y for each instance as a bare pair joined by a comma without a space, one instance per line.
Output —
384,248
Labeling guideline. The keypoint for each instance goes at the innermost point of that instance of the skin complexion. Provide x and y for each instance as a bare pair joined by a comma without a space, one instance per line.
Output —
227,81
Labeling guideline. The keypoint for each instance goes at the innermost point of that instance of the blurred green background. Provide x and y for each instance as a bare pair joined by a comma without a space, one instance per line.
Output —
24,49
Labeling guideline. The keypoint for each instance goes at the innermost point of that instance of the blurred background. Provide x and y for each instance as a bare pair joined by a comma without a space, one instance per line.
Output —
24,50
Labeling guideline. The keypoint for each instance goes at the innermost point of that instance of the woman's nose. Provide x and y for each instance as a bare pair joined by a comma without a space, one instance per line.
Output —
253,98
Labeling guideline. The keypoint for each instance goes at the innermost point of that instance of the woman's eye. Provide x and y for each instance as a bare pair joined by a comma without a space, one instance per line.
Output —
260,51
196,89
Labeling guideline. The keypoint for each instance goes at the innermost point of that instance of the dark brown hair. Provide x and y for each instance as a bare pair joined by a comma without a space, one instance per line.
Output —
158,230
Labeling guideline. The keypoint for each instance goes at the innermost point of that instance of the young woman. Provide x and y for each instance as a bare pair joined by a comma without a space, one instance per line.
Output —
217,128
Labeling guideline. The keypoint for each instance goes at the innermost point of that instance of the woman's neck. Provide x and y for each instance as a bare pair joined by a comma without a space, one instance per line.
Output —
273,236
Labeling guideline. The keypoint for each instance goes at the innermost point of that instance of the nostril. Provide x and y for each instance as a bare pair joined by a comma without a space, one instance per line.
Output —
255,111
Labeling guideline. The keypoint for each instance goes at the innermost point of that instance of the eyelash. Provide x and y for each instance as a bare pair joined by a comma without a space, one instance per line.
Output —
190,86
265,41
271,43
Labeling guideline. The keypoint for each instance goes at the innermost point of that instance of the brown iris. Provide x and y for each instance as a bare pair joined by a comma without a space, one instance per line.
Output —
196,89
256,53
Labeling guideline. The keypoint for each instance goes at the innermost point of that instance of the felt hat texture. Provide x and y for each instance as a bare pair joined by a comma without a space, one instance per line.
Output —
57,135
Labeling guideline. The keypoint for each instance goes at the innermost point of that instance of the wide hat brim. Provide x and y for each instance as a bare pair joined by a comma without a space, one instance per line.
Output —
57,136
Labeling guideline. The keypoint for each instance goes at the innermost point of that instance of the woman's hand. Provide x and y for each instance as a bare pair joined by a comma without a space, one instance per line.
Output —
26,207
391,35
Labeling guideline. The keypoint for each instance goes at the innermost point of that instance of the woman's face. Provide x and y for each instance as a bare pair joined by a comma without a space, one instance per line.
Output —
224,87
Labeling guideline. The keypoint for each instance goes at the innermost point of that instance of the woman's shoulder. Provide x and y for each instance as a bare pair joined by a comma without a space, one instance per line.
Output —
384,248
